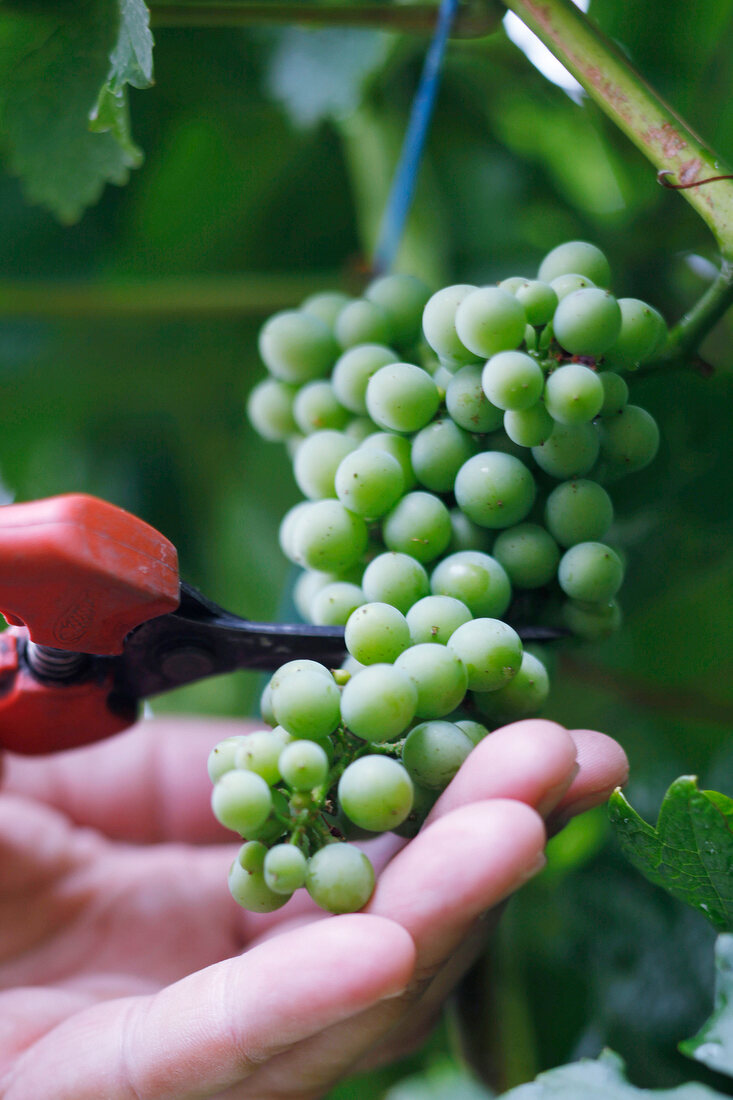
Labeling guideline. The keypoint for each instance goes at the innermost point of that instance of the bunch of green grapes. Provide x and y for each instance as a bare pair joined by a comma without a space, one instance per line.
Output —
455,451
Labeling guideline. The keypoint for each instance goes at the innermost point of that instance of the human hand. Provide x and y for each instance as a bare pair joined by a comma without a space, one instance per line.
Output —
126,969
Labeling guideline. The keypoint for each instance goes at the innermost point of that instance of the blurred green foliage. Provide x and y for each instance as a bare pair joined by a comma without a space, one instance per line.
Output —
269,152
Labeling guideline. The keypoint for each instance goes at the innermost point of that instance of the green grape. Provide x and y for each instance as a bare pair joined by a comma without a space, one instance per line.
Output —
296,668
362,322
378,703
329,538
529,427
512,380
439,676
403,298
643,331
369,482
592,621
376,633
223,756
316,408
241,800
525,694
353,370
396,579
468,405
587,322
570,451
489,320
266,706
260,750
531,338
539,300
340,878
439,324
578,258
307,705
350,666
399,447
434,618
333,603
512,283
307,585
475,731
423,801
326,305
402,397
578,511
375,793
359,428
273,828
615,393
494,489
285,868
474,578
490,650
441,374
433,752
303,765
629,440
317,461
418,525
467,535
296,346
247,880
438,452
566,284
270,409
528,553
590,571
573,394
288,528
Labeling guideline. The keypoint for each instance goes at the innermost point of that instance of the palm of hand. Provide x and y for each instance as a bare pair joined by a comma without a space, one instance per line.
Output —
121,964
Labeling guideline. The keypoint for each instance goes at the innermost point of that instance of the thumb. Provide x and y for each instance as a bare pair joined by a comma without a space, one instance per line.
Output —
215,1028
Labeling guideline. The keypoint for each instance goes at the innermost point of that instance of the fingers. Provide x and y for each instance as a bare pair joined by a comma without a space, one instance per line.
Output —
436,888
215,1028
532,761
459,866
557,771
147,784
602,766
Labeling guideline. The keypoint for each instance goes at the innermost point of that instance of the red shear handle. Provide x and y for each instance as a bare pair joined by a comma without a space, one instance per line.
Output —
80,573
38,717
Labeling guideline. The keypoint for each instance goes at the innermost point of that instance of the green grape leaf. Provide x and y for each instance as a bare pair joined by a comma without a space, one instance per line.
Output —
112,115
131,62
63,70
132,57
690,851
713,1044
603,1079
319,74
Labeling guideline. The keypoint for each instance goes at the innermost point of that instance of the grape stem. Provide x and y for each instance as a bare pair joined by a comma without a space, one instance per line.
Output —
476,18
689,332
661,135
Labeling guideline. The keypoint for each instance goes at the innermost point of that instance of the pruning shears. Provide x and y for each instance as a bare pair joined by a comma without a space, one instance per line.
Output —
99,620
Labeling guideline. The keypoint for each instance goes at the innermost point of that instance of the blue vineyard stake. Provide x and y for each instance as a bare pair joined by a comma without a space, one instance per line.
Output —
405,178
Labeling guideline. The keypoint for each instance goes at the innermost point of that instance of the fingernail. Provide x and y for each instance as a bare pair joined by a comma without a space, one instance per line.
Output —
534,869
555,793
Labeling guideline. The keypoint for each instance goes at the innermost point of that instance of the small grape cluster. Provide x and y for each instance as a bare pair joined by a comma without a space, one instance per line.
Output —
454,450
